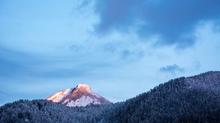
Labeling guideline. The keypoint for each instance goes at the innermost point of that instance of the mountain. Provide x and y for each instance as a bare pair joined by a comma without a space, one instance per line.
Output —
193,99
81,95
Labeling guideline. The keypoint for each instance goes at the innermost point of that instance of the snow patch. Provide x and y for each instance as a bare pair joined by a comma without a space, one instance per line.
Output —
83,101
57,97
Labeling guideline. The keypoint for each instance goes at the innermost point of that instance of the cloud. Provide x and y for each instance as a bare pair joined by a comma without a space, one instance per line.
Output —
83,3
18,64
81,63
173,69
10,62
125,52
173,21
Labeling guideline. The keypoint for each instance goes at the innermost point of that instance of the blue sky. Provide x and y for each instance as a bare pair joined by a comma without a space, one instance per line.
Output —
120,47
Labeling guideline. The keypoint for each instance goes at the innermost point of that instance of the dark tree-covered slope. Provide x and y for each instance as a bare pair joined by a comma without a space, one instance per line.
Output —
183,100
192,99
42,111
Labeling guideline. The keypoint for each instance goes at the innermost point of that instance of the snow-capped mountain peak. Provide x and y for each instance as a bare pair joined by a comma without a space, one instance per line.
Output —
84,87
81,95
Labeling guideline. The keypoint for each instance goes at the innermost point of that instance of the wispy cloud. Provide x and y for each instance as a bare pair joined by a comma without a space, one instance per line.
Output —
172,69
18,64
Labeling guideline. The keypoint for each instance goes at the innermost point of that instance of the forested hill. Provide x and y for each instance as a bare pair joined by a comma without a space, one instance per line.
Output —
193,99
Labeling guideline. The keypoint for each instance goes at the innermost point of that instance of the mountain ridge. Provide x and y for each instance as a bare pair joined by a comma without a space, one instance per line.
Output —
180,100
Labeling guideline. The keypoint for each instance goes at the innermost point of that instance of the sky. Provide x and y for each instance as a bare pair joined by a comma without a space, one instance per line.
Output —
121,48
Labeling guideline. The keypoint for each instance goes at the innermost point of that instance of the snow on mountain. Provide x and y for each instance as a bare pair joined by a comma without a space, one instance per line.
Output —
81,95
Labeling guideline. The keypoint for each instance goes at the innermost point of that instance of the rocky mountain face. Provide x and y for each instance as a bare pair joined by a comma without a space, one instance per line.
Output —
81,95
193,99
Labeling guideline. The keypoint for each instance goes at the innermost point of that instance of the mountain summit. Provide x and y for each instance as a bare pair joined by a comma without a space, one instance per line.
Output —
81,95
84,88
